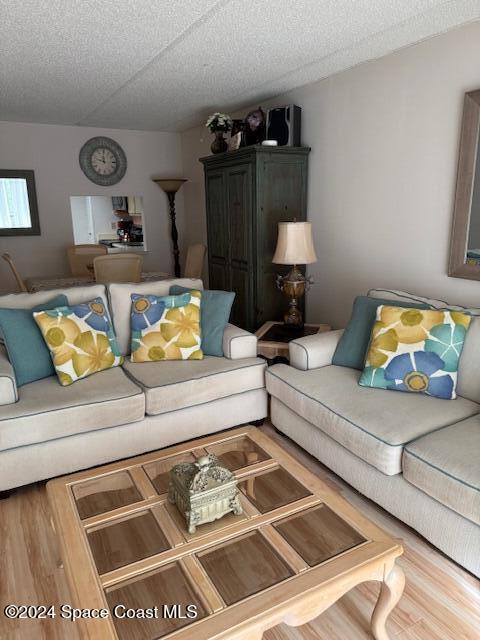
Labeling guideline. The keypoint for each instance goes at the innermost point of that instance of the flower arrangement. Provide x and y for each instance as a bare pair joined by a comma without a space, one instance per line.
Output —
219,122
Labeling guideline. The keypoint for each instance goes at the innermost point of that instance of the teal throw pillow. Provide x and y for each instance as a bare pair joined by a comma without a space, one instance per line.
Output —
26,348
214,315
352,347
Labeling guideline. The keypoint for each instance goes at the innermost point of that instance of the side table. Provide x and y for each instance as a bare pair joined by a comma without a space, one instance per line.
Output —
273,338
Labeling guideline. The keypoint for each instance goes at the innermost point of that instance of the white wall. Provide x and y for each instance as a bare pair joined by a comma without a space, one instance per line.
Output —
52,152
82,221
103,216
384,138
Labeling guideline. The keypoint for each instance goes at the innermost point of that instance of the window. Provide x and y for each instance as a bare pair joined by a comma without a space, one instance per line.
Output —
18,203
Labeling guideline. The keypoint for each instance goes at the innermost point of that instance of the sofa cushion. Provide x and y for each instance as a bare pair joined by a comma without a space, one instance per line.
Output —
445,465
415,351
214,315
353,345
374,425
75,295
121,304
46,410
405,296
469,364
179,384
80,339
26,349
166,327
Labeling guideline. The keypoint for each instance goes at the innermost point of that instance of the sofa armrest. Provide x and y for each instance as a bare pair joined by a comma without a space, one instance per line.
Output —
238,343
312,352
8,385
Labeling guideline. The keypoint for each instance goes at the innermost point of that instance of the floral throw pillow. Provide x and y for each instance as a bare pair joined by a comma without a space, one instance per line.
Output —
415,350
80,339
166,328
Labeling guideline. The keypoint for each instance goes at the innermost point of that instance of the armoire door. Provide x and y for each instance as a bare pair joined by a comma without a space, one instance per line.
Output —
217,231
239,207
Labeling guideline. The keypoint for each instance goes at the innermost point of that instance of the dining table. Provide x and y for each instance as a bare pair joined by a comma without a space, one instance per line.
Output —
44,283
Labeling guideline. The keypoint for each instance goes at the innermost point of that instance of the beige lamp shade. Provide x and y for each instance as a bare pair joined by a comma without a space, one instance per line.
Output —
294,244
169,185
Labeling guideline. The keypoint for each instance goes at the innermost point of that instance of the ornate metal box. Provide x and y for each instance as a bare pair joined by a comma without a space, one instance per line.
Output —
203,491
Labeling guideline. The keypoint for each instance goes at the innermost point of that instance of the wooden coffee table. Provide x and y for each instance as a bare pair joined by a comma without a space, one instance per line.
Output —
296,549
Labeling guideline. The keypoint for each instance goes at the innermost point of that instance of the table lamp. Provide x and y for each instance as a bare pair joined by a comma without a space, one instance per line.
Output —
294,246
171,186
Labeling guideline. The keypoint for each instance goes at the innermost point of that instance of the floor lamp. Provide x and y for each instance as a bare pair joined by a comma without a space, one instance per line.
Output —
171,186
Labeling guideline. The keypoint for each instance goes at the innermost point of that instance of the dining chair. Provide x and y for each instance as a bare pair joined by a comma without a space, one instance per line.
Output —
80,258
194,261
21,284
118,267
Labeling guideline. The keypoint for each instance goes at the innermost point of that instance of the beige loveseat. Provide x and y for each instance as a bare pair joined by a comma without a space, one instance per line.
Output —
416,456
47,430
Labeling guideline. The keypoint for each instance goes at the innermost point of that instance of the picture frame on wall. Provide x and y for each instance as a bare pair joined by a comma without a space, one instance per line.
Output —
237,135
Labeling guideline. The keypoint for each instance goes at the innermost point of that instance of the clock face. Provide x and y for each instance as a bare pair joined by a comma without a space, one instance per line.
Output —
103,161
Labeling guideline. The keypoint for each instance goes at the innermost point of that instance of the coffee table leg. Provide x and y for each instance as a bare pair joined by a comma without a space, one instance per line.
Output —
390,594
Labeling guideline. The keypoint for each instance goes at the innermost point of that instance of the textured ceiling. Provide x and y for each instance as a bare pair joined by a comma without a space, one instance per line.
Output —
164,64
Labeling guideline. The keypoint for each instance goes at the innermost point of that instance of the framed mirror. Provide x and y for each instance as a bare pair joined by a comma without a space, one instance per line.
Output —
465,242
18,204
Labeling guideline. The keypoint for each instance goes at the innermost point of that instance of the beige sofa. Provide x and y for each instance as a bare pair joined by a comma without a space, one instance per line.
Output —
47,430
416,456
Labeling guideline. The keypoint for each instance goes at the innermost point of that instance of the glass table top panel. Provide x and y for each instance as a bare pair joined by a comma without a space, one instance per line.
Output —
158,471
318,534
167,585
105,494
272,489
123,542
243,567
238,452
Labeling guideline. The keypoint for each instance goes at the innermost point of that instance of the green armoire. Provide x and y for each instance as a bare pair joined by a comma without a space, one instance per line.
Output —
248,192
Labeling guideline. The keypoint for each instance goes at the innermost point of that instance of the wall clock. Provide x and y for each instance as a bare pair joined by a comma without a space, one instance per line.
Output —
103,161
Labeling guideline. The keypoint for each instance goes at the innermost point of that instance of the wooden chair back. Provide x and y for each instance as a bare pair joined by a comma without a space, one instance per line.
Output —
118,267
194,262
21,284
80,258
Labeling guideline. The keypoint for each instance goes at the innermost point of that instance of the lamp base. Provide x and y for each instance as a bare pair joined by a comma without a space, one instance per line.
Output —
293,286
293,317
